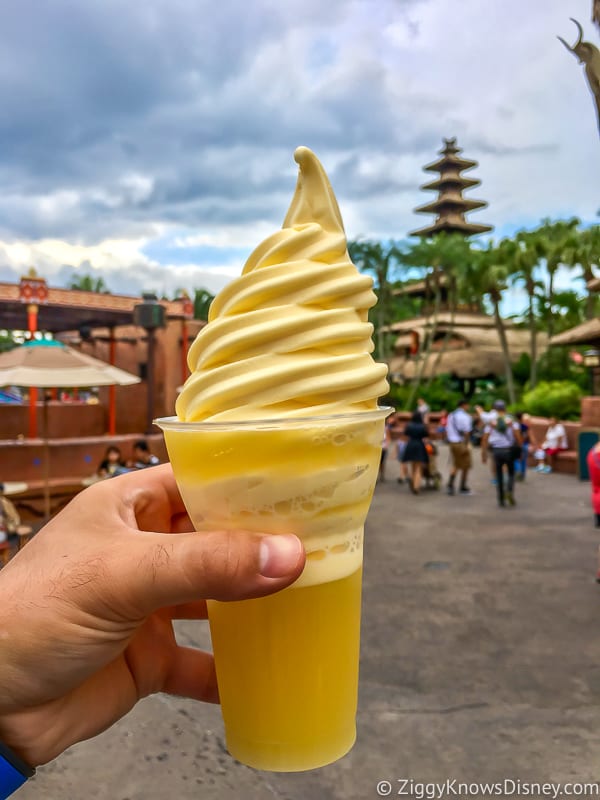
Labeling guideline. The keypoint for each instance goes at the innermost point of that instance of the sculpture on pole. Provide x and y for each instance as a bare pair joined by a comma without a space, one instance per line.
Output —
588,54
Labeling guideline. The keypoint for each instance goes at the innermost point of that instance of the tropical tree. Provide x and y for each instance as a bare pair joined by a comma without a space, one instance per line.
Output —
86,283
382,261
447,258
492,280
202,300
586,254
556,243
524,258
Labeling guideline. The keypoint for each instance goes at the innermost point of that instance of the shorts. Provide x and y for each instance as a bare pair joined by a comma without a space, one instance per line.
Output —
552,451
461,455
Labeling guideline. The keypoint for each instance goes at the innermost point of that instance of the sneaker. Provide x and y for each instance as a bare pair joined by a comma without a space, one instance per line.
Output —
450,490
466,491
400,480
510,499
539,468
494,482
546,470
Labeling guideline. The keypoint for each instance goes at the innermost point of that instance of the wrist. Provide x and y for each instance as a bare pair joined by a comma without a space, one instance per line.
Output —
13,771
32,744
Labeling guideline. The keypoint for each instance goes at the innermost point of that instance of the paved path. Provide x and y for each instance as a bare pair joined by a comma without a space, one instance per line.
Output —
481,661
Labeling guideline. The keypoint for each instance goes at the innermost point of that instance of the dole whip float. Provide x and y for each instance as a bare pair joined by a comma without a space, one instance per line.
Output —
278,431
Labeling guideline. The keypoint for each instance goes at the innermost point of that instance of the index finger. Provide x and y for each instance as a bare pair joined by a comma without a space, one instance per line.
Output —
151,499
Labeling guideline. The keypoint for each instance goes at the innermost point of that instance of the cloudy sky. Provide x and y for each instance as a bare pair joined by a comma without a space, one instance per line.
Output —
151,142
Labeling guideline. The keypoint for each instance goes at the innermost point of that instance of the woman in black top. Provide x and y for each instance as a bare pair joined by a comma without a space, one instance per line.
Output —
415,453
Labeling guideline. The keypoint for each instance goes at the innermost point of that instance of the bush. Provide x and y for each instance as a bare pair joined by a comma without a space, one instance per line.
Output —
442,392
560,399
487,391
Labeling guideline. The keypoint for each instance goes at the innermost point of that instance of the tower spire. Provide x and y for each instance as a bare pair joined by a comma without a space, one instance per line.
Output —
450,207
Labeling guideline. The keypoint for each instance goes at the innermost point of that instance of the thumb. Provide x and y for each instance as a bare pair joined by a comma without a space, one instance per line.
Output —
161,570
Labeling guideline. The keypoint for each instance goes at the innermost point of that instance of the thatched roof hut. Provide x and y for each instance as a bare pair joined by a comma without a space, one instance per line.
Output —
465,345
586,333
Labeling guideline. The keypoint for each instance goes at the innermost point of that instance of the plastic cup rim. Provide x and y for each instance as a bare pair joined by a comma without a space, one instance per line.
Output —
173,423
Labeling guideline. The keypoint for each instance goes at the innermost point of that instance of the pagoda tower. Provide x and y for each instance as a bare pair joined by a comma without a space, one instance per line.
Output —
450,207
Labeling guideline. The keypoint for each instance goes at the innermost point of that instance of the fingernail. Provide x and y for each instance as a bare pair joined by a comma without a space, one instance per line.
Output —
278,555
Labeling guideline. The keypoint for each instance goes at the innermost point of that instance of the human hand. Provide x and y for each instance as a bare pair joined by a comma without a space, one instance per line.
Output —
86,609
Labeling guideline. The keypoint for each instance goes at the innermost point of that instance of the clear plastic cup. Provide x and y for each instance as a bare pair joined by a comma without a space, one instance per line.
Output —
287,664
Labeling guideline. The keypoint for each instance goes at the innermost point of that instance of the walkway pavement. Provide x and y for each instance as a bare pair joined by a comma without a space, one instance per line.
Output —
481,662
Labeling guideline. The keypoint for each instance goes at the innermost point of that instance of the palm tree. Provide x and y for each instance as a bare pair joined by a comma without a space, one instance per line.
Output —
86,283
523,254
202,300
556,243
585,253
492,280
449,256
380,260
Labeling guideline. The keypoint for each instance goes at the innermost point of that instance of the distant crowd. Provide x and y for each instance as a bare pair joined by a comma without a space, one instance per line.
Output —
507,444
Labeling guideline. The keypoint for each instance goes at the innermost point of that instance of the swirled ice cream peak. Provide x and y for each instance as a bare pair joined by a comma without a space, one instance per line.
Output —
290,337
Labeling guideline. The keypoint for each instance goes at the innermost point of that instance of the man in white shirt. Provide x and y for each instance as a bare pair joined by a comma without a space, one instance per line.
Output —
555,442
458,433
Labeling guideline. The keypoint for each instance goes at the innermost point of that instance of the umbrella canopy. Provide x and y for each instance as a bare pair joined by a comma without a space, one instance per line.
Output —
48,363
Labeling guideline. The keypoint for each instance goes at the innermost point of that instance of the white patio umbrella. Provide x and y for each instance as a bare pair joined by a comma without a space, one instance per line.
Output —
46,363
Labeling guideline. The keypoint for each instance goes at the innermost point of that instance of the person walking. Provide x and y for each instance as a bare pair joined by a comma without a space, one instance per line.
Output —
503,438
527,443
458,433
415,452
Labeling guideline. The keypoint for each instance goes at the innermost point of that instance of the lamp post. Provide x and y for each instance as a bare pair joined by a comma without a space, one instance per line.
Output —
591,360
149,315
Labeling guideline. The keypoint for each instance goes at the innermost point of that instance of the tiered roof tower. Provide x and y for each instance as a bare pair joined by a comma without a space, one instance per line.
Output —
450,207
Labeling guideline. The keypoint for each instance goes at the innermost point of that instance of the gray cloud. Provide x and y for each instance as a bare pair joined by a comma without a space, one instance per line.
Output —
118,117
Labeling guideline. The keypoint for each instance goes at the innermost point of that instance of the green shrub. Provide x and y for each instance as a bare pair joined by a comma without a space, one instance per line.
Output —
487,391
560,399
442,392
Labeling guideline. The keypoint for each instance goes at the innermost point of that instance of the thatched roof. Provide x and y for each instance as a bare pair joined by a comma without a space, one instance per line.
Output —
465,363
406,340
445,320
423,286
586,333
475,353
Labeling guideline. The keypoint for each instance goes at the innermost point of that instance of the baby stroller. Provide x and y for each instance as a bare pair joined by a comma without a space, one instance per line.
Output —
433,478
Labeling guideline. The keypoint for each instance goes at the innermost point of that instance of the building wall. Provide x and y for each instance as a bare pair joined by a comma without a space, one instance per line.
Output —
71,420
132,356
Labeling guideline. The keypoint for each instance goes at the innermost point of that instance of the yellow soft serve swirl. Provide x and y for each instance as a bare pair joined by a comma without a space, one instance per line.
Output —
290,337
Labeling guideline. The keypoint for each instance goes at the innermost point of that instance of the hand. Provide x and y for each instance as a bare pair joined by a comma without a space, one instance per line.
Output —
87,609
